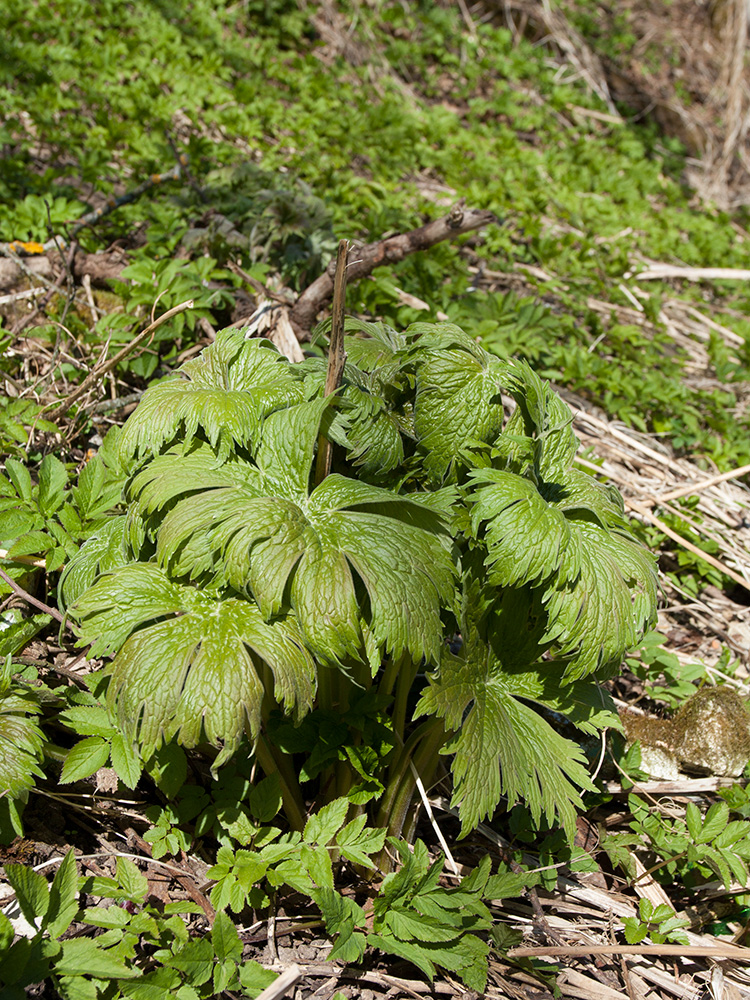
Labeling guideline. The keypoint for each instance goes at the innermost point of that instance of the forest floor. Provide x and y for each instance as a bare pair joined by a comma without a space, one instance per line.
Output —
217,156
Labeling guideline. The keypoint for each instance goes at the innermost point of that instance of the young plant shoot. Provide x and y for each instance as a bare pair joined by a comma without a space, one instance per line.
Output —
240,598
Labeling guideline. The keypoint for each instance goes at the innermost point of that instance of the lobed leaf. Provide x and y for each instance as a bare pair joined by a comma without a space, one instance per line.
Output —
189,662
501,746
225,392
458,396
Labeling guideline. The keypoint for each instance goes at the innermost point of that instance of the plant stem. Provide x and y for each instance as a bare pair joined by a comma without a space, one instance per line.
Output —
404,684
398,771
423,760
291,794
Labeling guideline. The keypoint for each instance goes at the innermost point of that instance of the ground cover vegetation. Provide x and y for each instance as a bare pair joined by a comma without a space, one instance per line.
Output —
281,659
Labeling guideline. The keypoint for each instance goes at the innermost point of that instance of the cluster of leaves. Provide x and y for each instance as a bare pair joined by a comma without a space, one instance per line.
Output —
50,519
132,934
692,849
143,953
242,583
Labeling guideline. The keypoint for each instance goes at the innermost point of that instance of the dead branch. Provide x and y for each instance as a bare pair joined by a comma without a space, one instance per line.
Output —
389,251
336,352
99,372
100,267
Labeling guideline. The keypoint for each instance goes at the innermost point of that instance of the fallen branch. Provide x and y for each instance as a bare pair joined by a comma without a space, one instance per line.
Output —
389,251
100,267
659,272
99,372
26,596
674,950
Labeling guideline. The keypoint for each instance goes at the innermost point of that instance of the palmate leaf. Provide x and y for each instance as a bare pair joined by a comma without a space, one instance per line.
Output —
190,659
569,538
102,551
369,420
225,392
457,404
350,559
502,747
547,420
21,741
607,606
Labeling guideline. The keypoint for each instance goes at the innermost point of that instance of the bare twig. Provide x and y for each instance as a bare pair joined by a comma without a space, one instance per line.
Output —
99,372
684,491
665,529
286,981
677,950
660,272
458,221
185,878
17,589
336,353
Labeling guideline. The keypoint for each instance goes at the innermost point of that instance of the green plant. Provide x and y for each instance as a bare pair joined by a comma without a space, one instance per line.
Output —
245,586
658,923
50,518
133,934
690,848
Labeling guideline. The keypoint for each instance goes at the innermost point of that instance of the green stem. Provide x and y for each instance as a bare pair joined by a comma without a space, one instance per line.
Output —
277,763
391,673
404,685
423,764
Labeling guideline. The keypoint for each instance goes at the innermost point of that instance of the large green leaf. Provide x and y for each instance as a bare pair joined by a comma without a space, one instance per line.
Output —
547,419
189,660
525,536
225,392
604,600
348,558
458,396
569,538
502,747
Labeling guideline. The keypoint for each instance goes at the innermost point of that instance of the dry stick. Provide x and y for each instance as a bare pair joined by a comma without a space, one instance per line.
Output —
29,599
659,272
657,523
675,950
459,220
336,353
684,491
286,981
711,560
98,373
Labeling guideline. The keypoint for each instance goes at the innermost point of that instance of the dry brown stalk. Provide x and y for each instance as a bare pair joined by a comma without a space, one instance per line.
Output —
684,491
718,950
101,370
389,251
39,605
336,353
711,560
